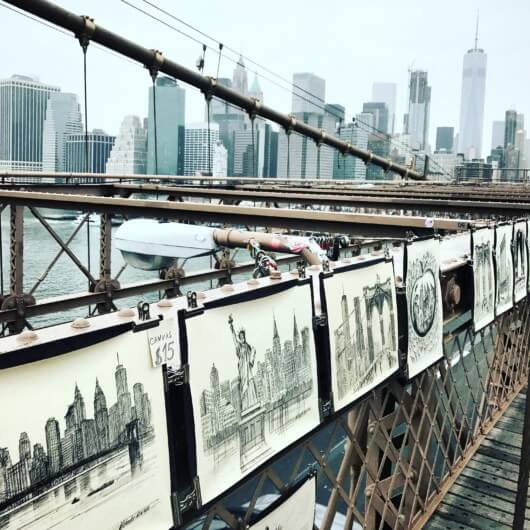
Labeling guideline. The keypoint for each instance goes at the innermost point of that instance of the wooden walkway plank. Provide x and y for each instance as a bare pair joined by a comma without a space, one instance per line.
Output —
483,496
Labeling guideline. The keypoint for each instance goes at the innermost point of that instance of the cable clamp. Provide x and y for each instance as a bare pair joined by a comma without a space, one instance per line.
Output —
89,27
292,122
210,91
156,64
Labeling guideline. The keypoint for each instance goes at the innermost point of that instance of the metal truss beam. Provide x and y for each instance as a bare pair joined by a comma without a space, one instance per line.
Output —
365,225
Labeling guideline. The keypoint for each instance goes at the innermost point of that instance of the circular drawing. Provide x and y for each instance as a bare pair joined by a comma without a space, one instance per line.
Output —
423,303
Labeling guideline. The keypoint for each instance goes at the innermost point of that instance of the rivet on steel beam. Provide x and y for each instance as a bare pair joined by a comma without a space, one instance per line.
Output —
275,275
252,282
80,323
27,335
165,303
126,312
227,288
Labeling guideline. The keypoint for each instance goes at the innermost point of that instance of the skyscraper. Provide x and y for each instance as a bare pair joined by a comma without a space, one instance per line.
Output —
53,445
196,148
99,146
445,138
350,167
379,111
240,79
510,127
170,108
124,397
23,102
101,417
417,119
309,92
497,134
129,153
472,101
386,92
63,117
298,156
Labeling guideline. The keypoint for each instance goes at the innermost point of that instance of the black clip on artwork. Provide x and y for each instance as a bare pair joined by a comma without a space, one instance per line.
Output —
192,299
325,266
300,267
143,311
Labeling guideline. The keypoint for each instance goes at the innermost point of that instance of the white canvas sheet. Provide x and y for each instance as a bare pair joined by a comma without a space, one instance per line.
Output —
84,434
483,277
424,305
520,260
253,381
296,513
503,269
362,317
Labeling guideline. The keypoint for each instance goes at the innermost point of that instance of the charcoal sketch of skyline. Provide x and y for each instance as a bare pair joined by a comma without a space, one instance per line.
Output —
484,284
254,388
95,441
424,305
258,399
361,307
520,260
503,268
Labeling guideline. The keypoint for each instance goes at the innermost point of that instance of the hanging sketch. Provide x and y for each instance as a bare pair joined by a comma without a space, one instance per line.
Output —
520,260
483,276
424,305
297,512
362,317
503,269
84,441
253,382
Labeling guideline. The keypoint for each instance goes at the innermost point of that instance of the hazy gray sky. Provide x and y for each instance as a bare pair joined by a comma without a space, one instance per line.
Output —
349,43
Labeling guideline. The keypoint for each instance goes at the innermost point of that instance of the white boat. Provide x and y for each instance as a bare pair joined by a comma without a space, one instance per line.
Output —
93,219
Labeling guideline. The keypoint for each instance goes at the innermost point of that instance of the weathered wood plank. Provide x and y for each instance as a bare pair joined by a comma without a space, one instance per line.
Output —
493,512
494,452
471,520
496,471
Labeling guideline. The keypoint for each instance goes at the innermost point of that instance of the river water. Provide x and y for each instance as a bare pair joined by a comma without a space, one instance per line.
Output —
65,277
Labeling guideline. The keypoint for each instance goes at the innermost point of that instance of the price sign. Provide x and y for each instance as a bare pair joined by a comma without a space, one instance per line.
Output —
163,344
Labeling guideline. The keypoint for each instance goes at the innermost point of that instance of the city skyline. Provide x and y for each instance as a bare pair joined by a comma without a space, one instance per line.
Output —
444,66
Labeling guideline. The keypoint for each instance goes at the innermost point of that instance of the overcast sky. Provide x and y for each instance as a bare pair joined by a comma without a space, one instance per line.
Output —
349,43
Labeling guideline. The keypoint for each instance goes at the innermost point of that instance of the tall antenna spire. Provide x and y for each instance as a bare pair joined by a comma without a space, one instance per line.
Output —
476,32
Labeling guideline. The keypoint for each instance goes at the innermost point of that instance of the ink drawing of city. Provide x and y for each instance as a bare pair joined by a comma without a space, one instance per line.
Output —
254,383
362,316
503,268
424,305
84,442
520,260
483,276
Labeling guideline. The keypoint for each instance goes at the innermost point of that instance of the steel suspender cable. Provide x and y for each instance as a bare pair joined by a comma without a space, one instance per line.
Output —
208,99
253,148
84,41
155,124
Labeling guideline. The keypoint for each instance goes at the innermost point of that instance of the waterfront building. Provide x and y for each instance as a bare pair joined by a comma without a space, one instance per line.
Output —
63,117
129,153
170,119
23,103
196,150
99,147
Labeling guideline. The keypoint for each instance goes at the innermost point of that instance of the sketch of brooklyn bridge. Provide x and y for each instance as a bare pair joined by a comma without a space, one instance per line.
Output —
116,433
484,286
365,340
241,411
